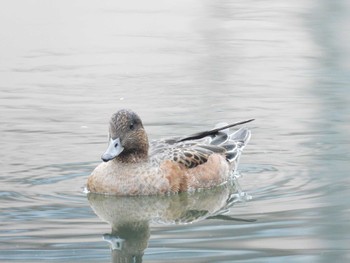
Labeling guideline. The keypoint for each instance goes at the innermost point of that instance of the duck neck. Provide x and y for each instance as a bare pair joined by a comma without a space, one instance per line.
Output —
135,150
133,156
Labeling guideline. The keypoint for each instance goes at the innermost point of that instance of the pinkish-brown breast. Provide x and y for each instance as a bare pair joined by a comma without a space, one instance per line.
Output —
120,179
142,179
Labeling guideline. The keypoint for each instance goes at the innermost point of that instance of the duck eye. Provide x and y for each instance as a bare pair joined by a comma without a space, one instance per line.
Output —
131,126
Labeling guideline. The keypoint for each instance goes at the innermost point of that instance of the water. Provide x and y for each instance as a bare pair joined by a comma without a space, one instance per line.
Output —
183,66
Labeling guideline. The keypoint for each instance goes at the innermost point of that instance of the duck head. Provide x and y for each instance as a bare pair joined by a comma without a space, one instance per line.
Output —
128,140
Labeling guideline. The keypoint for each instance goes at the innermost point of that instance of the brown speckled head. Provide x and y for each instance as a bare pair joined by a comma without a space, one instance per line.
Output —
127,138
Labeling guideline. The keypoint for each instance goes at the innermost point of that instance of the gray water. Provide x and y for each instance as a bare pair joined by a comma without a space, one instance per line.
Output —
66,66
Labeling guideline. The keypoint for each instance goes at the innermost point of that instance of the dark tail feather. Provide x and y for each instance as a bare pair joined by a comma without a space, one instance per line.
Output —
201,135
220,138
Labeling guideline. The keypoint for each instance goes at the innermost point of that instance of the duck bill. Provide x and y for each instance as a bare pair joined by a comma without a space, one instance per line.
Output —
113,150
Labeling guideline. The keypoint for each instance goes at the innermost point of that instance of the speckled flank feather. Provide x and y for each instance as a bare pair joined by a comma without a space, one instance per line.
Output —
201,160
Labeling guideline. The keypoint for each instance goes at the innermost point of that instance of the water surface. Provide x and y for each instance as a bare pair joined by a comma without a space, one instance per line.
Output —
183,66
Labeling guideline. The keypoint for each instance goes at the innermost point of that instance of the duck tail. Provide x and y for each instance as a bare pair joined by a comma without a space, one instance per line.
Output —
233,142
214,132
242,136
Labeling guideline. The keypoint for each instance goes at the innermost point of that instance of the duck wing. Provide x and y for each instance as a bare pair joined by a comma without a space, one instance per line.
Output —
195,149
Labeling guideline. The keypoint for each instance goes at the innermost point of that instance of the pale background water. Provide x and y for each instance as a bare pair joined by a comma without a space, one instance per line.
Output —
66,66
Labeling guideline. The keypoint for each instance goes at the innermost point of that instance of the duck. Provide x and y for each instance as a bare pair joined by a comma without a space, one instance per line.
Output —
134,166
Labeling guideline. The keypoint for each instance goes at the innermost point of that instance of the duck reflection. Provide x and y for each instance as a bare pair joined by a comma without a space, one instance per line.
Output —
130,217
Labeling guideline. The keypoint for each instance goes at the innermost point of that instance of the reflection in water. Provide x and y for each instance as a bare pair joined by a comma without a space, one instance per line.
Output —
128,241
130,217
